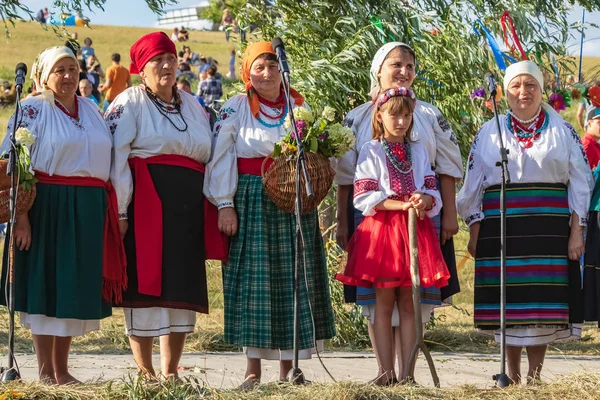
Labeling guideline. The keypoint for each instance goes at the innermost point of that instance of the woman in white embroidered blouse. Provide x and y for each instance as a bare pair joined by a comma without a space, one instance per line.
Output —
394,65
162,140
63,279
257,277
550,189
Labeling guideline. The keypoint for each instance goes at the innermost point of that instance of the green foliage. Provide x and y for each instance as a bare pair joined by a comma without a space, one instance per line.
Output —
331,44
15,10
214,11
350,325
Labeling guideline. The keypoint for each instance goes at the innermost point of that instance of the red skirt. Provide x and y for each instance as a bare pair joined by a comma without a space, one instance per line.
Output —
379,254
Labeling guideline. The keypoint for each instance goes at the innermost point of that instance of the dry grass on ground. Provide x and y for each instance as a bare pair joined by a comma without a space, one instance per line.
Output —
573,387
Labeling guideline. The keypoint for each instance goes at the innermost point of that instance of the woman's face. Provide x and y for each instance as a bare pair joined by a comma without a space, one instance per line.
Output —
64,77
398,70
524,95
265,78
160,72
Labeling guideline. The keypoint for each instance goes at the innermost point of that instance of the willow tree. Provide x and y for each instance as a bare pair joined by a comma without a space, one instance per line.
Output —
330,44
13,10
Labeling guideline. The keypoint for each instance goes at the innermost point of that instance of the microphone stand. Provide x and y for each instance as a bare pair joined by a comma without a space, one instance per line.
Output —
501,379
11,373
296,375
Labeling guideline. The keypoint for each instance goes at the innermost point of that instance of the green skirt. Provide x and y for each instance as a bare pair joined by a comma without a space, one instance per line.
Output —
61,274
258,277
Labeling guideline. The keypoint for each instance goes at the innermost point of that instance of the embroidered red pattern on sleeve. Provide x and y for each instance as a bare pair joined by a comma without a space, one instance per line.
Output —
364,185
430,183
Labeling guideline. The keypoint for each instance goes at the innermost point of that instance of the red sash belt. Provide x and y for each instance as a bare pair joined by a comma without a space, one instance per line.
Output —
252,166
149,227
114,263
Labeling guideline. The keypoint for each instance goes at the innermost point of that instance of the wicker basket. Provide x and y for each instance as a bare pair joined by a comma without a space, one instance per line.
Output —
4,179
25,198
280,182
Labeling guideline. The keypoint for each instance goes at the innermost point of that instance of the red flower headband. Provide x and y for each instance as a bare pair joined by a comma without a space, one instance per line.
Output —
395,92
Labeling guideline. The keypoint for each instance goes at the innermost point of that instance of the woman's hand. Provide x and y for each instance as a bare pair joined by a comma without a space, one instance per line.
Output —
576,244
473,236
341,233
449,227
228,221
123,226
22,232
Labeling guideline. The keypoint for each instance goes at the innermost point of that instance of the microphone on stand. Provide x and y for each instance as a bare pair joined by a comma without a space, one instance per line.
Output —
279,49
21,72
491,82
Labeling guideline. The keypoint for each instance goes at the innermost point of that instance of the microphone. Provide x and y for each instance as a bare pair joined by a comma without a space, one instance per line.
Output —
21,72
491,82
277,44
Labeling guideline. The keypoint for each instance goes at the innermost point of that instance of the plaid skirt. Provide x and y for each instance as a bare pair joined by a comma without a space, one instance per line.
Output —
258,276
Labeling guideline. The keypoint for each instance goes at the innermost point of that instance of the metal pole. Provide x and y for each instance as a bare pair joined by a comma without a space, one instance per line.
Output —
580,77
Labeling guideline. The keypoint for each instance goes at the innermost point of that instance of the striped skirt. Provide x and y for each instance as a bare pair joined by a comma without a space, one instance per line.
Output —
258,276
543,287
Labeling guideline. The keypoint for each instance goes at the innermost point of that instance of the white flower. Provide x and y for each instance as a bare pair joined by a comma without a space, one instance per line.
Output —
24,136
342,139
329,114
301,113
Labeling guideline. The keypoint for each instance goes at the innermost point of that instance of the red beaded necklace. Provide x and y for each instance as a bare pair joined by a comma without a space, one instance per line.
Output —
278,103
527,132
64,109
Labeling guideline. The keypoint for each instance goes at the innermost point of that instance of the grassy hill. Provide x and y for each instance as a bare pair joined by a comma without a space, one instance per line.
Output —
28,39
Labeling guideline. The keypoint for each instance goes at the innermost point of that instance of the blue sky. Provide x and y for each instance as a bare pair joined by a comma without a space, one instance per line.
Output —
136,13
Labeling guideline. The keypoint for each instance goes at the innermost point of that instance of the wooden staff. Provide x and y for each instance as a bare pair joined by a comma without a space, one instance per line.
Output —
416,294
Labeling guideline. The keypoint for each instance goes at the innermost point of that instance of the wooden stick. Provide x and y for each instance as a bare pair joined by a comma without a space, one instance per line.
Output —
416,292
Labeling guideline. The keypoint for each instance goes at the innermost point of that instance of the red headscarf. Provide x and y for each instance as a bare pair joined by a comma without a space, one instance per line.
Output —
148,46
253,51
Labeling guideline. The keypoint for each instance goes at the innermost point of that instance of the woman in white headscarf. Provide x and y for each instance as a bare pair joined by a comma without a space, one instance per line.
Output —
69,257
394,65
547,204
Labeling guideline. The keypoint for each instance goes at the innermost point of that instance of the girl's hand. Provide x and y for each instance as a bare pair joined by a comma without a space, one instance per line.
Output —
405,205
421,201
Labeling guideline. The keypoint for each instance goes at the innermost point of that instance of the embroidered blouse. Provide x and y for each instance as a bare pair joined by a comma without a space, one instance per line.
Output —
238,134
140,130
377,179
64,145
430,128
557,156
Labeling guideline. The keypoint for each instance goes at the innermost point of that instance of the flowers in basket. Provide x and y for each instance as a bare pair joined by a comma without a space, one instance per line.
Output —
318,133
25,173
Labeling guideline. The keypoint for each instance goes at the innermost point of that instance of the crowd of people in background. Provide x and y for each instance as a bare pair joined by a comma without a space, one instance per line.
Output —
103,86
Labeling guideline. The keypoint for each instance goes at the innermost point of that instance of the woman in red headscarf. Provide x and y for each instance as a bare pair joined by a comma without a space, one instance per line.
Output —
162,140
257,278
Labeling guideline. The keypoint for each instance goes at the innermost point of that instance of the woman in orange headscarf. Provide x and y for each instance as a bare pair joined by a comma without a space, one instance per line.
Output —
258,276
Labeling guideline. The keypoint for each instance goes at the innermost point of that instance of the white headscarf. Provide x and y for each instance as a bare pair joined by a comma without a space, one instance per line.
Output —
528,68
377,62
523,68
44,64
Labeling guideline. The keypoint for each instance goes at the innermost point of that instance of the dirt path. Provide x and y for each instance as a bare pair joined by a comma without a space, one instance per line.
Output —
226,370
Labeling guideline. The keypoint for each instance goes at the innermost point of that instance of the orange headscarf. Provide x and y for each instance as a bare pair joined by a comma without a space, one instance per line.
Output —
253,51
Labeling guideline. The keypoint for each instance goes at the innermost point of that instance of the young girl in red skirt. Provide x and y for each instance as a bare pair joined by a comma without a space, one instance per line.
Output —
394,174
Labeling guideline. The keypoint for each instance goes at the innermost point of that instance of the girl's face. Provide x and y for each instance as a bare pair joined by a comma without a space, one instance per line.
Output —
395,126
